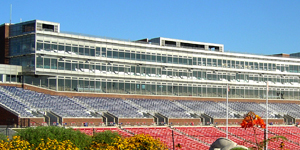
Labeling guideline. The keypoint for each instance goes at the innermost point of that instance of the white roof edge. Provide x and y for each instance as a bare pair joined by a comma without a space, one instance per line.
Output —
189,41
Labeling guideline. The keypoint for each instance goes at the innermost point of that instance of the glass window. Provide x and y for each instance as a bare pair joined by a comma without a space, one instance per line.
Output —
127,56
189,61
109,53
103,54
75,50
180,61
53,47
228,63
250,65
194,61
98,51
242,65
256,67
47,63
143,57
87,52
74,66
53,64
121,55
61,65
175,60
81,51
261,66
219,62
47,47
164,59
159,59
92,52
138,56
153,58
132,56
61,47
233,64
68,48
203,61
115,54
39,62
184,61
68,65
209,62
148,58
39,46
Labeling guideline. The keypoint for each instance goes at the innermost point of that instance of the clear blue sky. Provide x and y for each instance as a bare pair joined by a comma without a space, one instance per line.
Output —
250,26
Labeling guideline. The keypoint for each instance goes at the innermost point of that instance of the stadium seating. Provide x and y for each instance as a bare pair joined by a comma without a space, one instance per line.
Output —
287,108
244,107
164,107
213,109
26,103
165,135
210,134
60,105
290,132
115,106
14,105
248,134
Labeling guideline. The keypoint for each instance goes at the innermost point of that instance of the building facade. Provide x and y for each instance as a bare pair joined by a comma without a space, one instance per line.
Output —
160,66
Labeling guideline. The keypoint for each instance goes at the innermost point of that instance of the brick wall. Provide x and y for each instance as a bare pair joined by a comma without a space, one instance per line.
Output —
239,121
27,122
7,117
80,121
136,121
178,121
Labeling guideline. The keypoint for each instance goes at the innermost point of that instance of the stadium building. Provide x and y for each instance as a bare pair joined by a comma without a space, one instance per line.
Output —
160,66
48,77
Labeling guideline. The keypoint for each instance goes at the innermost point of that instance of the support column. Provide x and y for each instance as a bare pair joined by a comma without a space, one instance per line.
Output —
4,78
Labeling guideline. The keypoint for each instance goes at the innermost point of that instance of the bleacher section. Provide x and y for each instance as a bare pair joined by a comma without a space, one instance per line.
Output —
30,104
248,135
244,107
115,106
165,135
290,132
210,134
60,105
213,109
202,137
286,108
164,107
14,105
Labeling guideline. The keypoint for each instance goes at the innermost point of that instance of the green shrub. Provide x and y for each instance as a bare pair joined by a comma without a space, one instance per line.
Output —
106,137
3,137
35,135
